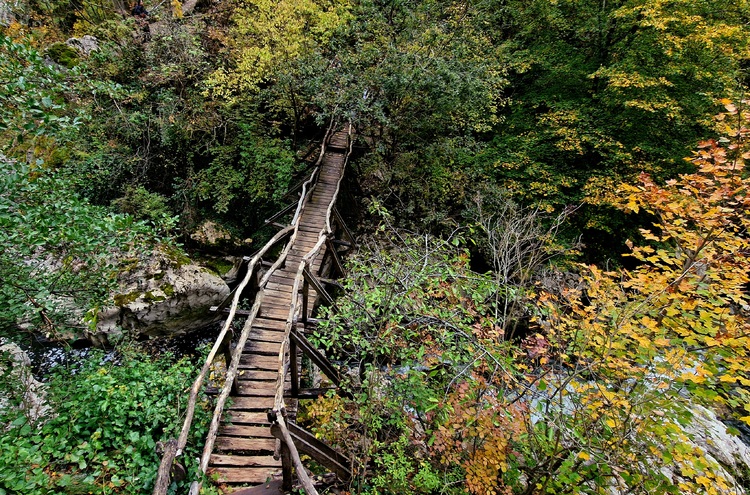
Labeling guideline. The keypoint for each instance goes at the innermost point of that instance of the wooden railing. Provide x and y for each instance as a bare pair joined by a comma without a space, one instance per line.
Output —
286,448
300,300
174,448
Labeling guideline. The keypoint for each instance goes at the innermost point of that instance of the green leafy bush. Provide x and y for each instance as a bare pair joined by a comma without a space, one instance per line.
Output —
56,249
102,435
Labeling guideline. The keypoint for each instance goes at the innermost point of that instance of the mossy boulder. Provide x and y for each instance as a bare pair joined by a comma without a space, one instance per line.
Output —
162,295
63,54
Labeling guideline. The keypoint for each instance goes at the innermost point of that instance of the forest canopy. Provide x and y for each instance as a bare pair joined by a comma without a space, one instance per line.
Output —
548,294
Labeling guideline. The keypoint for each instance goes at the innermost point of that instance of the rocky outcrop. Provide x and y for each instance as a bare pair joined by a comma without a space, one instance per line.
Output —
11,10
710,434
85,44
23,391
160,296
211,234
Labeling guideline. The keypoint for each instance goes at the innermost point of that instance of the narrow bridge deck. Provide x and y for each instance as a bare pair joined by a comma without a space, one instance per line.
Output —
243,452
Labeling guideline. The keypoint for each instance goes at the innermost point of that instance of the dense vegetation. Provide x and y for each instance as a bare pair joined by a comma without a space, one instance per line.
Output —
532,140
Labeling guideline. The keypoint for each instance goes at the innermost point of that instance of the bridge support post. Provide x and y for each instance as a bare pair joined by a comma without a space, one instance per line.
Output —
305,299
294,367
335,258
286,468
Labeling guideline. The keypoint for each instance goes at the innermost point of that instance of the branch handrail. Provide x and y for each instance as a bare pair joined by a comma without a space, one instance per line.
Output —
279,409
171,453
162,481
232,368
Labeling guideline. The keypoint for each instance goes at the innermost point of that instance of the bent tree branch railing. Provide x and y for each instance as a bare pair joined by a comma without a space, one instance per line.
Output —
175,448
278,415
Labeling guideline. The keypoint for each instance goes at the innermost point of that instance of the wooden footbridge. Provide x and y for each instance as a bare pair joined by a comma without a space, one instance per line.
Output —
253,436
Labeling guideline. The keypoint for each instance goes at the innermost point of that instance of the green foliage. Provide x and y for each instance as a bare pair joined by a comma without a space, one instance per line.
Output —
250,171
598,391
63,54
605,90
102,434
145,205
31,98
58,251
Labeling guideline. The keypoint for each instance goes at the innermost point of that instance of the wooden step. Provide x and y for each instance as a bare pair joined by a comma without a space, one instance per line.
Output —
262,363
244,460
250,418
259,375
268,324
254,389
253,404
246,431
248,445
264,348
243,475
262,335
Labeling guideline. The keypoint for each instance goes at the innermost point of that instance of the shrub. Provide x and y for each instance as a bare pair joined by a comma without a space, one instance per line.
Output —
103,433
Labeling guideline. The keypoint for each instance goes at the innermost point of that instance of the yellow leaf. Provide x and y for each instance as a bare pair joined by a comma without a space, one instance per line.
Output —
584,456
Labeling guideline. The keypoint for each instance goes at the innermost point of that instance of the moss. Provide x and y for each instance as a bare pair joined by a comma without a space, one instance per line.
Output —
63,54
125,299
159,275
128,264
219,266
58,158
151,297
176,255
168,289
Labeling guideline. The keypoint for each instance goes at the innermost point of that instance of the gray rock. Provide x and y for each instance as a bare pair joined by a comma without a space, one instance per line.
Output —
710,434
159,297
211,234
30,393
85,44
11,10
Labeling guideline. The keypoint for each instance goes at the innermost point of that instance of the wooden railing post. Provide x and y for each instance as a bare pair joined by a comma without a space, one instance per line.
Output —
335,257
294,368
305,300
286,468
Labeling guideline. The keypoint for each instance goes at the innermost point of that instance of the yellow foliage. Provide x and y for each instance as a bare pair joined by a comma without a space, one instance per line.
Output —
176,9
271,34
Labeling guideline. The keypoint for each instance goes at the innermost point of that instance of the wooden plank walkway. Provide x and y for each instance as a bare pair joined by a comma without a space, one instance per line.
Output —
243,452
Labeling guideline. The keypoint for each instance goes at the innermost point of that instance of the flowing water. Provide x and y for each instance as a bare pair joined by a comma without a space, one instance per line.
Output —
45,355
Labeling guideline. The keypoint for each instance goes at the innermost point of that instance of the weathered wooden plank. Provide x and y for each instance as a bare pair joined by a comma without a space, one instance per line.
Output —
275,293
249,375
267,363
243,475
278,288
277,304
245,460
266,324
245,444
276,312
262,348
254,404
253,389
245,431
251,418
262,335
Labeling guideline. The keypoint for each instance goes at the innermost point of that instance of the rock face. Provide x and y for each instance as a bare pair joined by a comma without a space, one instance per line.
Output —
159,297
10,10
729,451
85,44
211,234
29,396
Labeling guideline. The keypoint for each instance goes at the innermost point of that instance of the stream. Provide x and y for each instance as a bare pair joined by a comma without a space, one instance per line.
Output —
45,356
